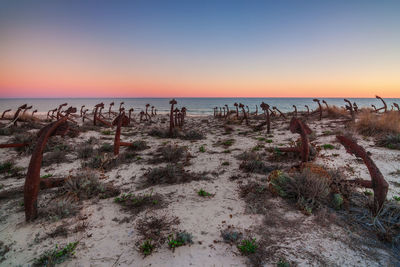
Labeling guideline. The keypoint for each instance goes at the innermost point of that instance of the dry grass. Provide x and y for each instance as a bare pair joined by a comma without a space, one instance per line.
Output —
171,153
156,228
335,112
309,189
170,174
87,185
372,124
140,202
54,157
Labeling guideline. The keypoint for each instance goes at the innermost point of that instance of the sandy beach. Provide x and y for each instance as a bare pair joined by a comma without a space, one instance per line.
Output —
236,204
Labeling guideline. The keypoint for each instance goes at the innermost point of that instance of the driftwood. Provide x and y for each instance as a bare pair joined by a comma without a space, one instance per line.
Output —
378,182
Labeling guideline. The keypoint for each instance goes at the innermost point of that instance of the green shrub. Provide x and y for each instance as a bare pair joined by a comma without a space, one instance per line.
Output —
203,193
180,239
327,146
85,151
55,256
106,147
248,246
337,201
147,247
139,145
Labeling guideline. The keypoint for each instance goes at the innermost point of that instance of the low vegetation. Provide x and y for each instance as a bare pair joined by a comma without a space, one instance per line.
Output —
153,231
180,239
372,124
391,141
171,154
55,256
138,203
87,185
170,174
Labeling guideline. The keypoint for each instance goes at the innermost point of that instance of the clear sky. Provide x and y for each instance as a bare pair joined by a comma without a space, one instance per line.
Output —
80,48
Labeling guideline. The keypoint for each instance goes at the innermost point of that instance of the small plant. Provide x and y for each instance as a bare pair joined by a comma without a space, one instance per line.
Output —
193,135
397,198
258,147
180,239
248,246
147,247
283,263
269,141
337,201
106,147
395,173
10,169
56,156
6,167
85,151
228,142
391,141
256,166
56,256
327,146
202,149
138,145
230,236
170,153
87,185
170,174
107,132
368,193
61,209
46,176
203,193
138,203
225,163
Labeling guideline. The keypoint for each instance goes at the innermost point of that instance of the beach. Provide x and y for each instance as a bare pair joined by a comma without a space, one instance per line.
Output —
229,161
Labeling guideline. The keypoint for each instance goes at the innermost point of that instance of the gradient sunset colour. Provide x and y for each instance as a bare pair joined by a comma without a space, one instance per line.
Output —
199,48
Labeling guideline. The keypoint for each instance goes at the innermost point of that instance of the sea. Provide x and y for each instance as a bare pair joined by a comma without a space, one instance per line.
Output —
194,106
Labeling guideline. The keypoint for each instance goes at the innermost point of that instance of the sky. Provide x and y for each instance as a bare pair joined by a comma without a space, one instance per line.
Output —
220,48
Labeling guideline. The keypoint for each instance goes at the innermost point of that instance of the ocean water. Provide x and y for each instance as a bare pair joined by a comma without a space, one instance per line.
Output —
195,106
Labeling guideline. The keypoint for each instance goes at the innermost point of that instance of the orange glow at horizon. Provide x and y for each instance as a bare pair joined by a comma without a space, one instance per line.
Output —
67,67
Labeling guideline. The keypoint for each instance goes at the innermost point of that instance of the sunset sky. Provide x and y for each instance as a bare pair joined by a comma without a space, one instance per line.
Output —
199,48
